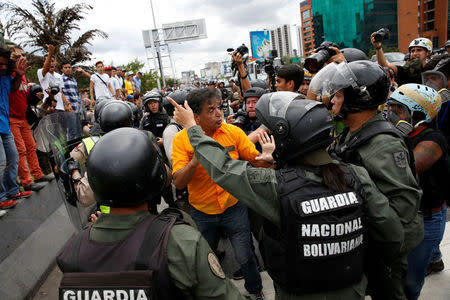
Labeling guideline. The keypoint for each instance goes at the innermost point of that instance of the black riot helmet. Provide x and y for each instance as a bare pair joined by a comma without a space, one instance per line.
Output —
153,95
179,96
365,85
98,109
134,109
254,92
33,89
353,54
259,83
125,169
115,114
299,126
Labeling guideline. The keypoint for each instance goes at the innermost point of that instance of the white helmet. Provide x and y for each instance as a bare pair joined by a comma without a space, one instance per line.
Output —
421,42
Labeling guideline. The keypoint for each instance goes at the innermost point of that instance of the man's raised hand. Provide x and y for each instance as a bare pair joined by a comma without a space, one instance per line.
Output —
183,115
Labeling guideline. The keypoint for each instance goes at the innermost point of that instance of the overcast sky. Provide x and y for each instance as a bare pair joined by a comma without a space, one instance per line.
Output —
228,24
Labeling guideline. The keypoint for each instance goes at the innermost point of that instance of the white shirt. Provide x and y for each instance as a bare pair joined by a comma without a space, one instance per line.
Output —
101,88
114,84
119,80
45,83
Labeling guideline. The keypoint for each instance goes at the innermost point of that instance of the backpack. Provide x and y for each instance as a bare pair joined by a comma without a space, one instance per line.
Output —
148,278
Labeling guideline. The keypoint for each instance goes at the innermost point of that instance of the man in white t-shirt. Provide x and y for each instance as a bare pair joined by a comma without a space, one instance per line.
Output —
111,71
47,76
100,83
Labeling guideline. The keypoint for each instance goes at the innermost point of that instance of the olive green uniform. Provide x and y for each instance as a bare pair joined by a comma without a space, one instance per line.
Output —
193,268
386,158
258,188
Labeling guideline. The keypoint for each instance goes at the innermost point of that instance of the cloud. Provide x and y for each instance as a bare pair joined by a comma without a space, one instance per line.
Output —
228,25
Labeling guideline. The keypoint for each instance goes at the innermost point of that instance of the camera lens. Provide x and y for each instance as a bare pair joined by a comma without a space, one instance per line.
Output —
316,61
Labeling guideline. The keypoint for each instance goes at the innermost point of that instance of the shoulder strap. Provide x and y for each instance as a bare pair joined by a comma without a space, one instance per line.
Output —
371,129
292,178
156,238
72,264
101,79
355,182
153,252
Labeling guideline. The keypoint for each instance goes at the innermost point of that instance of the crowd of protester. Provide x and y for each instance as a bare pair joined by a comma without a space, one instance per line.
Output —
416,104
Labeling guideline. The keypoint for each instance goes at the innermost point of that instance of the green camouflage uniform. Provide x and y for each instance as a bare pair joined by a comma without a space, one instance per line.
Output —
386,158
193,267
258,188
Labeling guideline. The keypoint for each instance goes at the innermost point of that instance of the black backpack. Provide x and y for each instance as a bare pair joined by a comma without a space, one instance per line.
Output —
148,278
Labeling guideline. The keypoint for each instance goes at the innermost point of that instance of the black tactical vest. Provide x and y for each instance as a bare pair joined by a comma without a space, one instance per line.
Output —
156,123
320,244
134,267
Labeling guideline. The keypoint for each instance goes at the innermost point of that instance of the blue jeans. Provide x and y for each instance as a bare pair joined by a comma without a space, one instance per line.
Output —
420,257
234,222
436,254
9,163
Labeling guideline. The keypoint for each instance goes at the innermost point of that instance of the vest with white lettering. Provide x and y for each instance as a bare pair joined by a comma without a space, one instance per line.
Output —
320,244
135,267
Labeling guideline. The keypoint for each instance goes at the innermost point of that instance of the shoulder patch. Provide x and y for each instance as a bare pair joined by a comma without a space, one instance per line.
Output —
400,159
215,266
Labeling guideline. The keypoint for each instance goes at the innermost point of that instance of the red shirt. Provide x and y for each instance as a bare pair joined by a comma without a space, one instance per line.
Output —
18,101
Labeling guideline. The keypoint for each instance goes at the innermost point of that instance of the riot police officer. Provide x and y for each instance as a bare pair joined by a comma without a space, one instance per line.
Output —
138,253
155,119
309,247
110,115
356,90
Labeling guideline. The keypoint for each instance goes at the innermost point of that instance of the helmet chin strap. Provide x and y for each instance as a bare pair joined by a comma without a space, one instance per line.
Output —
418,123
345,111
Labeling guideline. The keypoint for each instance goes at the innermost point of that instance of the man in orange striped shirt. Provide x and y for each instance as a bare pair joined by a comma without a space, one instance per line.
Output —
211,206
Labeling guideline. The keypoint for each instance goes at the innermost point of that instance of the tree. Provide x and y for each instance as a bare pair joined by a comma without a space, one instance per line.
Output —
46,25
136,65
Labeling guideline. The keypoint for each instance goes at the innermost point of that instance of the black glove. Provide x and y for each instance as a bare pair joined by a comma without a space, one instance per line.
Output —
72,165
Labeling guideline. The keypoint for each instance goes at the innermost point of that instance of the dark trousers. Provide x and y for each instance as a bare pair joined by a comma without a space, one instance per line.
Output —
234,223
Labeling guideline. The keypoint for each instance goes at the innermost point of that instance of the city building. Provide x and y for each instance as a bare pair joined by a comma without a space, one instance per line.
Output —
350,23
298,31
307,28
280,40
423,18
187,76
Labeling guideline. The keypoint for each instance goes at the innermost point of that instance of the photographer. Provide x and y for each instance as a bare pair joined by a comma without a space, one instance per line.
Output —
245,81
245,117
420,50
289,78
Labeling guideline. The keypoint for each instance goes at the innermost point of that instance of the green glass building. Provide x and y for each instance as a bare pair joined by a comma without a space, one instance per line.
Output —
349,23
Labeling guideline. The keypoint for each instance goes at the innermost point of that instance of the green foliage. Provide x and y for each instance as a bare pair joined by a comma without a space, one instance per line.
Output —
148,81
171,81
373,51
136,65
46,25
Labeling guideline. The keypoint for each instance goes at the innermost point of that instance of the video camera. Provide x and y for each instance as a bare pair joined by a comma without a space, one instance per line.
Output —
316,61
270,68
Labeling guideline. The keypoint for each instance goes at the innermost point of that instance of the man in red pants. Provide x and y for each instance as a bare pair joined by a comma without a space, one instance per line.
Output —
25,144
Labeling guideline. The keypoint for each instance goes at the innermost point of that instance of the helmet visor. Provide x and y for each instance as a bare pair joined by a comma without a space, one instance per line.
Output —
331,79
279,102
